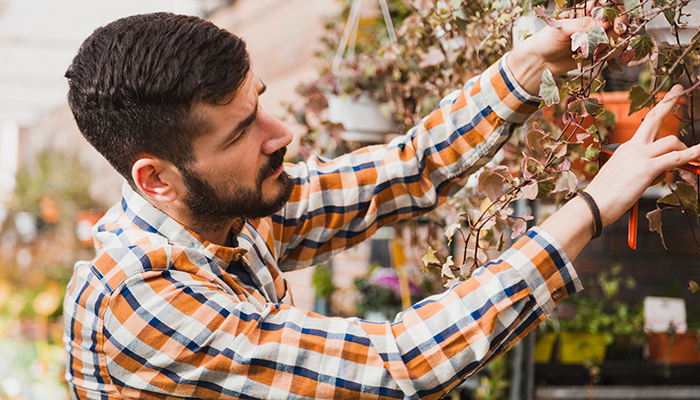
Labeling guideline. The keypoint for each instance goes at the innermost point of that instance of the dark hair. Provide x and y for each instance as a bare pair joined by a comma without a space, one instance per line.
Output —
134,82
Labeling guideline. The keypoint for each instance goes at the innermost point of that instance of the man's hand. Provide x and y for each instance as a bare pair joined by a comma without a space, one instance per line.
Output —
635,164
550,49
623,179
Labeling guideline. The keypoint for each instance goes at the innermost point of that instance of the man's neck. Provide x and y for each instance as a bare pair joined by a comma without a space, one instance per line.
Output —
216,232
213,230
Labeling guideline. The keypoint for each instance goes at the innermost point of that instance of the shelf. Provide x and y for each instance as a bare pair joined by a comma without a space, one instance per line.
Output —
618,392
619,373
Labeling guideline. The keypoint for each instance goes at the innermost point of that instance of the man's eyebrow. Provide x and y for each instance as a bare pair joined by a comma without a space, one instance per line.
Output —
243,124
247,121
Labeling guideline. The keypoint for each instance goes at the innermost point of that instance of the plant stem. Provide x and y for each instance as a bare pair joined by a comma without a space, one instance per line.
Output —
675,65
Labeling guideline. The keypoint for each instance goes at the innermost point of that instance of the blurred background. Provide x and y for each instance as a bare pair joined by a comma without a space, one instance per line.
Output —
54,186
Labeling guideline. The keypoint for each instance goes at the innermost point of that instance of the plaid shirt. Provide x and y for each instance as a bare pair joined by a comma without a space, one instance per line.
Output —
156,315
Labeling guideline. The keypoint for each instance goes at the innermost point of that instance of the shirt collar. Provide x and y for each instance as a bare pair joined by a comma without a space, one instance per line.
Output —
150,219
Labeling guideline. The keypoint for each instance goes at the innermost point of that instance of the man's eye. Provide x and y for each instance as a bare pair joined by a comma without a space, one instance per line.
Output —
239,137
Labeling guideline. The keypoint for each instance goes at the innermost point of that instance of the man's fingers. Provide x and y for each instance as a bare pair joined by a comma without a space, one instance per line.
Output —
655,118
571,26
667,144
675,159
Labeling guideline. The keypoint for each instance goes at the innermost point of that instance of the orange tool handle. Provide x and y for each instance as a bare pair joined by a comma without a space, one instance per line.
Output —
632,231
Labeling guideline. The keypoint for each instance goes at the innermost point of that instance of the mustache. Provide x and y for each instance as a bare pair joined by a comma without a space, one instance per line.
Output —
273,163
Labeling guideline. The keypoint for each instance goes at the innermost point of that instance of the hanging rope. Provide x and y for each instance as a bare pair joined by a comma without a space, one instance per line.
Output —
351,28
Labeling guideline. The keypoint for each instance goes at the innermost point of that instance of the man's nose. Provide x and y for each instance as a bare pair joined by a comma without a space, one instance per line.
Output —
278,135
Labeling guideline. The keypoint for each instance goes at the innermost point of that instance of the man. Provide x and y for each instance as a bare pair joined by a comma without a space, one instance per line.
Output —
185,297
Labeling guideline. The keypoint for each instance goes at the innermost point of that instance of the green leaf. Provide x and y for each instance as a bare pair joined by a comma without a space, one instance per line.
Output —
693,286
642,46
654,218
430,259
632,7
611,12
548,89
586,107
545,187
608,12
587,42
591,153
670,15
638,97
686,194
501,243
613,66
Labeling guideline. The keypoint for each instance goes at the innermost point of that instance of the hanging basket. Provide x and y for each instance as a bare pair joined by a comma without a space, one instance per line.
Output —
664,35
361,117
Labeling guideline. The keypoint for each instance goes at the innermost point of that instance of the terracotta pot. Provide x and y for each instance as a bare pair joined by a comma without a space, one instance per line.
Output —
626,125
683,349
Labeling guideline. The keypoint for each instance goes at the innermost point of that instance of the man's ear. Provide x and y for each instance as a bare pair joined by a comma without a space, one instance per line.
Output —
157,179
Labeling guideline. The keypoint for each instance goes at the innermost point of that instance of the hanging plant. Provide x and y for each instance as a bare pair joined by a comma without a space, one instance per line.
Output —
441,44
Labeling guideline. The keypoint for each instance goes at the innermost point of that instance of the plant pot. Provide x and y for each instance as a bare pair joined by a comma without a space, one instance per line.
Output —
544,348
525,27
682,349
361,117
581,347
660,30
625,126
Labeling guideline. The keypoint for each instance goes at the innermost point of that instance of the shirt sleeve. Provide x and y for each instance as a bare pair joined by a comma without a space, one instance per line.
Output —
338,203
172,334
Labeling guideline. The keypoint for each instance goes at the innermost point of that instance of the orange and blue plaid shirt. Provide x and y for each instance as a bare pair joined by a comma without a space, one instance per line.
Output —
156,315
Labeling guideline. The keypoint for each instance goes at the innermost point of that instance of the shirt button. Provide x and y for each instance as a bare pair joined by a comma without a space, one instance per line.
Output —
237,256
556,295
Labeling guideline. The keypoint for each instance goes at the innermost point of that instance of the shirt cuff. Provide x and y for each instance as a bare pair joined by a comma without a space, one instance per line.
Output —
512,102
545,267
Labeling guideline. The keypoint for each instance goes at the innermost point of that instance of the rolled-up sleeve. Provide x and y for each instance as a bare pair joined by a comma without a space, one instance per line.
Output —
339,203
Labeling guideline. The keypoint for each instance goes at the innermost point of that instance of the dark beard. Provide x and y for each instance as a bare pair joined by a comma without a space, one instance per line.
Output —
212,208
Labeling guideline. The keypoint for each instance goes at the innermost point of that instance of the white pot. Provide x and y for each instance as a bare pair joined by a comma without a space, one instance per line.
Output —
525,27
660,30
361,117
529,24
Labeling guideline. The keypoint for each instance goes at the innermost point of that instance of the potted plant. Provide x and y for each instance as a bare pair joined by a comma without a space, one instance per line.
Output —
586,325
674,348
380,294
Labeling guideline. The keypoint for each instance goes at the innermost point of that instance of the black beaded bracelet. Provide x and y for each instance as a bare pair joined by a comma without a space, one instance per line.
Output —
597,221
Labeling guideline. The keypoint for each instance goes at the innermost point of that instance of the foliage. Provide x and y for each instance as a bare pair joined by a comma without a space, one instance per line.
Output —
322,281
598,310
380,292
55,176
38,247
441,44
494,383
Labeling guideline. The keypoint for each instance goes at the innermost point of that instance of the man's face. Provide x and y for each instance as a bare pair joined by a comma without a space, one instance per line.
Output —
238,170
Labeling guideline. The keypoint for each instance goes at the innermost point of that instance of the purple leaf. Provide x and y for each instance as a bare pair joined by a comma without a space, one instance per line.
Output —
654,218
